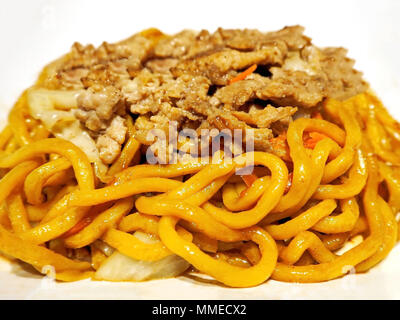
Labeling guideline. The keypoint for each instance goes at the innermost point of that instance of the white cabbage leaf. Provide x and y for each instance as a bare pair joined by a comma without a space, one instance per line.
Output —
119,267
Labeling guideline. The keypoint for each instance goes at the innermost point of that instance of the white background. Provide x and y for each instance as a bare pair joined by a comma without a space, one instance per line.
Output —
32,33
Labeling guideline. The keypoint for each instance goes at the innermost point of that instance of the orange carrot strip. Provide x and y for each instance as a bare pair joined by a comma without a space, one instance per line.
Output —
316,115
248,180
314,138
244,74
281,137
86,220
289,183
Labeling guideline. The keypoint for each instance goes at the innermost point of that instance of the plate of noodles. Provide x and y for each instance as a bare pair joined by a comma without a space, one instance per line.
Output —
236,163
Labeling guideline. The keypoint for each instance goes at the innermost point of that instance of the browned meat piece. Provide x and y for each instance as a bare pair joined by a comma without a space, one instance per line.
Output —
117,130
90,120
253,39
109,74
264,117
238,93
262,139
131,52
104,65
343,81
216,66
109,144
142,126
72,79
226,120
145,124
293,88
188,85
144,93
242,39
292,36
205,43
175,46
109,149
102,101
161,65
98,106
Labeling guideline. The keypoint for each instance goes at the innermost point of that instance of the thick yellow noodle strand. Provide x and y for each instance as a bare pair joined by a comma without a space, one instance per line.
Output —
286,224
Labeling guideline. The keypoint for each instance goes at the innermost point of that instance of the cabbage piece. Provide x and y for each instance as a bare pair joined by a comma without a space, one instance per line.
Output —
119,267
55,109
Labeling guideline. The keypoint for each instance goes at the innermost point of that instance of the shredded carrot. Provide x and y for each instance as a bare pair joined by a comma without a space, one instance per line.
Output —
86,220
289,183
316,115
277,141
244,74
243,193
313,139
248,180
79,226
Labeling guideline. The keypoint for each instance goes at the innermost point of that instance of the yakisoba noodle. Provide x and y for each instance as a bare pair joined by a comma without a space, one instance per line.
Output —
287,224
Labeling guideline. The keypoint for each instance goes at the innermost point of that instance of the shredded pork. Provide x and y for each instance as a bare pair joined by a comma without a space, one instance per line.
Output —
186,77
